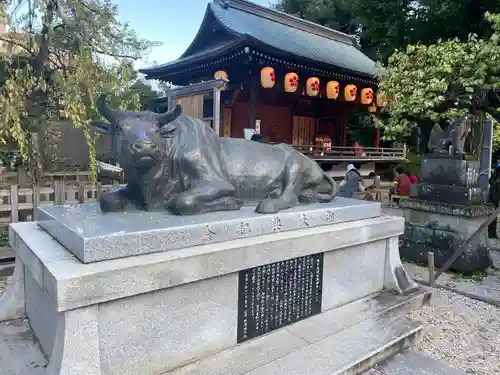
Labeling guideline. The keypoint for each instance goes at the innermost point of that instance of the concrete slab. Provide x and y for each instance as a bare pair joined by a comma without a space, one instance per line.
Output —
95,236
6,254
413,363
6,269
19,353
346,352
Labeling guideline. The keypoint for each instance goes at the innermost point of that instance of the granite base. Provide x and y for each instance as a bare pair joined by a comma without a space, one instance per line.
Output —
441,228
457,195
155,313
449,171
94,236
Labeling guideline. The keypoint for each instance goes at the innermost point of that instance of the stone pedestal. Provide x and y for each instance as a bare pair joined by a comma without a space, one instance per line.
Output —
318,286
449,207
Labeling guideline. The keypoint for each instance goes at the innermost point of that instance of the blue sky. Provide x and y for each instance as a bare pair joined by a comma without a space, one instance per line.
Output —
172,22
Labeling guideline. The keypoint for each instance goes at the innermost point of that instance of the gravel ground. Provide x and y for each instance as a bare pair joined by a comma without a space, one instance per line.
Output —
4,281
487,286
461,332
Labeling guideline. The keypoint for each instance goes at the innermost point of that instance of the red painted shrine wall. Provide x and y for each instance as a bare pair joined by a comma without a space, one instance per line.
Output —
269,116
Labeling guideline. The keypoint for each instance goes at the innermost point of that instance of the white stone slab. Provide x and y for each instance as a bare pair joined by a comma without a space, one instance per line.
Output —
95,236
342,352
70,284
349,351
192,321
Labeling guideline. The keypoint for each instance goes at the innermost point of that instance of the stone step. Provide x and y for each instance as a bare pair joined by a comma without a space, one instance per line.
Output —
6,254
20,354
349,352
6,268
413,363
7,261
346,340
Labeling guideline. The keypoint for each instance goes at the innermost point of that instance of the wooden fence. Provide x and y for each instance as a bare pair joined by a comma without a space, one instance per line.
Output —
19,204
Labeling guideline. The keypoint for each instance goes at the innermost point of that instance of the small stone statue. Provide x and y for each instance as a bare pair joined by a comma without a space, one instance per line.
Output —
455,135
178,163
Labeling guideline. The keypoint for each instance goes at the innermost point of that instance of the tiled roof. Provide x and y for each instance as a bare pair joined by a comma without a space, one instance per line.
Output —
282,32
286,37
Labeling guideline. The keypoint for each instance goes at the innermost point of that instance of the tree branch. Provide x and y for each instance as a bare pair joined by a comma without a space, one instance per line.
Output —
19,44
43,52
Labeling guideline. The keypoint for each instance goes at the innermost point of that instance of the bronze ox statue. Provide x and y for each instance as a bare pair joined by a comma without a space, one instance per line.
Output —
178,163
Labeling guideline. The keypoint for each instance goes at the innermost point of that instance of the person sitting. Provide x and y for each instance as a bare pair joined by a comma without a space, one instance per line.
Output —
358,149
414,185
401,186
352,183
375,185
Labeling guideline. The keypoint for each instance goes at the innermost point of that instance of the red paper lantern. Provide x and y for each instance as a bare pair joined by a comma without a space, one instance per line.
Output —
312,86
332,90
267,77
221,74
366,96
350,92
291,82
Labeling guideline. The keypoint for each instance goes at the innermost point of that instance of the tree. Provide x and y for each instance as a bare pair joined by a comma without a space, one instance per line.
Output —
335,14
387,25
439,82
139,93
59,55
447,19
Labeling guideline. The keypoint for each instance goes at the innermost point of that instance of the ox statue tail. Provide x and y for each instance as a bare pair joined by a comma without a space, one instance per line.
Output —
327,190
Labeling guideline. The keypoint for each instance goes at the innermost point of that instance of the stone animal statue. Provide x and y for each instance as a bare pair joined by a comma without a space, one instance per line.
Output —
178,163
455,135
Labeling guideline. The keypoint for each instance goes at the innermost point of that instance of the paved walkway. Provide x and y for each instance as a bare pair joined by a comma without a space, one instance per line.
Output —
412,363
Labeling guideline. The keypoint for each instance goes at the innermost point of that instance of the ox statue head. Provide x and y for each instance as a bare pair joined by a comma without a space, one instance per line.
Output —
137,137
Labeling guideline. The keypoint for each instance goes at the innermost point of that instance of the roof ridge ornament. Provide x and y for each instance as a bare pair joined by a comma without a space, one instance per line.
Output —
224,4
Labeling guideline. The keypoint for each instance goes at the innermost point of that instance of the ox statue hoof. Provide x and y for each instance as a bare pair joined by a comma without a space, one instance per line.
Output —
269,206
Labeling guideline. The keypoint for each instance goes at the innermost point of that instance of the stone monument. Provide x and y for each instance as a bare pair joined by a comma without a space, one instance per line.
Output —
450,204
136,286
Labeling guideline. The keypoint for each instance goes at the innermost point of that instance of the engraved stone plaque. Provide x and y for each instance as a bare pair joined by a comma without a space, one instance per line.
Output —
275,295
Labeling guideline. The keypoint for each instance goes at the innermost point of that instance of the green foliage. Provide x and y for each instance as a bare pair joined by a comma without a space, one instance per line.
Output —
496,136
439,81
73,50
413,165
336,14
387,25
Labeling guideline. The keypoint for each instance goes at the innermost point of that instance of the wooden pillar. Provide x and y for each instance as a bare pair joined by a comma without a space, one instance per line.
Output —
254,96
376,143
216,111
344,130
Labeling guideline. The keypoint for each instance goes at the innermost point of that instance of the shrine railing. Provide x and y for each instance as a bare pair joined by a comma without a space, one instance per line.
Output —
348,153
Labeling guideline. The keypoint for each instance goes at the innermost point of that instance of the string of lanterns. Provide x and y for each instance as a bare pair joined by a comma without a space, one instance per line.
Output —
312,88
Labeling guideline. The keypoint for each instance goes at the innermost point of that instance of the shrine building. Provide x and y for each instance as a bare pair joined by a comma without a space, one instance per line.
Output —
253,69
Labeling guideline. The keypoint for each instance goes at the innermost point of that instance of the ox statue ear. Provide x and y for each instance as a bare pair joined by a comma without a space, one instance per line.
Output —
100,126
167,131
169,116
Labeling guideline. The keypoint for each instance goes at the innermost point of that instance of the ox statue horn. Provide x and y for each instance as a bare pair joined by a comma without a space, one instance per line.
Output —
105,110
169,116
